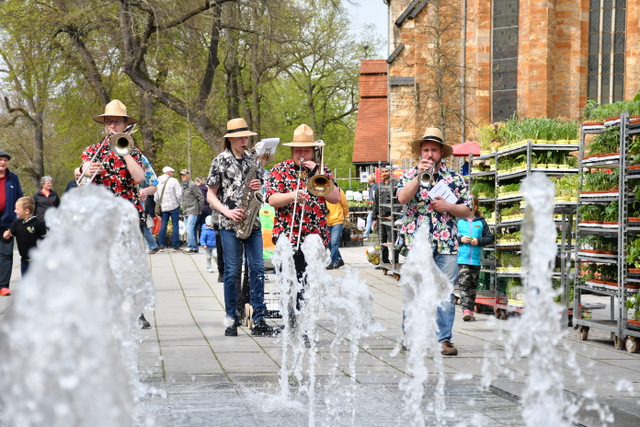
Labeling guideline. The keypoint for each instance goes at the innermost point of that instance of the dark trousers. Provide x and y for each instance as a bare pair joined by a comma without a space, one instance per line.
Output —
385,237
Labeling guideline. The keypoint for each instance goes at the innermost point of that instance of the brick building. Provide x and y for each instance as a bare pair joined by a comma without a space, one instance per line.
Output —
539,58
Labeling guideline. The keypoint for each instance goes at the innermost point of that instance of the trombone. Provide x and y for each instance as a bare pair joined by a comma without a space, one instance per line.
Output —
318,185
121,143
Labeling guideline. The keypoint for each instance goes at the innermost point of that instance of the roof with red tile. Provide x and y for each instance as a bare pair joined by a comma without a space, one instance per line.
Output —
372,129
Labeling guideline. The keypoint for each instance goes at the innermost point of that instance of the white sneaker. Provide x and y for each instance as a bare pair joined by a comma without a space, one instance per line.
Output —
210,270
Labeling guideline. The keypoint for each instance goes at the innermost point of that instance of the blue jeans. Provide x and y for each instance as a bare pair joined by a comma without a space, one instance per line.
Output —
24,266
232,260
336,236
149,239
6,261
190,226
367,231
448,264
175,222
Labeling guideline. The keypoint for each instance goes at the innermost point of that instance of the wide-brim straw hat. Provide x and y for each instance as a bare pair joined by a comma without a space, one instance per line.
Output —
432,134
237,128
115,108
303,137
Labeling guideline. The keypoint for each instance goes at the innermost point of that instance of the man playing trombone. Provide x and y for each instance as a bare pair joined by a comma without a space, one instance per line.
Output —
119,173
299,212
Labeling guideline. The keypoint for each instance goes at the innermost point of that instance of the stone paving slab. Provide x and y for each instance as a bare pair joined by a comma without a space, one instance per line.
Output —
204,378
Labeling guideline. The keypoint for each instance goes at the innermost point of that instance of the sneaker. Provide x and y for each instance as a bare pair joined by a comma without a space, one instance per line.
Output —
338,264
467,315
448,349
263,330
154,251
177,249
231,331
160,249
210,270
143,322
5,292
190,251
220,278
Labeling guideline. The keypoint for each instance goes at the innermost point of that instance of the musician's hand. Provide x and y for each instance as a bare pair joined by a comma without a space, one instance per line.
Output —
425,164
236,215
95,167
309,164
440,204
255,185
301,196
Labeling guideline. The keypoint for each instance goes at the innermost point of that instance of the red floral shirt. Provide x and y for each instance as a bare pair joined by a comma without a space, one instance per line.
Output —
116,176
283,179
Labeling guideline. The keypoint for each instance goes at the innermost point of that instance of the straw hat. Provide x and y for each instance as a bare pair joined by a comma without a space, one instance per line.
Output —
303,137
115,108
432,134
237,128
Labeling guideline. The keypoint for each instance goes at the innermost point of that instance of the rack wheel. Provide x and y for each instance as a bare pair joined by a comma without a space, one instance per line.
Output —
384,271
632,345
396,276
583,332
617,342
503,314
496,312
477,308
456,299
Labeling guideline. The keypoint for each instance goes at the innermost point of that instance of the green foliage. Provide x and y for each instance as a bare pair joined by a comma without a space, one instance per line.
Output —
591,212
606,142
600,181
633,251
483,187
595,112
611,212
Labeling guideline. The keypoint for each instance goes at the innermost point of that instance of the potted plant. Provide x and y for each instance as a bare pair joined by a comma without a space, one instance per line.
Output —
591,214
611,213
605,144
483,189
633,255
633,306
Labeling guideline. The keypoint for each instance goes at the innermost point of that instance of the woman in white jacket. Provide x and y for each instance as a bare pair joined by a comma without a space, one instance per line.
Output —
168,196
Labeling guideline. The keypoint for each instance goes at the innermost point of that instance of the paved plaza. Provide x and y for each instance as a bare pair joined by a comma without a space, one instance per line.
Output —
199,377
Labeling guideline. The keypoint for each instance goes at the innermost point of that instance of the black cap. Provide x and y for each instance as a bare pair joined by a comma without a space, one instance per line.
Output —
5,154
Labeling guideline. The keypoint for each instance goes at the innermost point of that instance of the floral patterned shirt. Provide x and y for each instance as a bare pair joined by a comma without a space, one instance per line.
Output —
116,176
283,179
228,174
442,226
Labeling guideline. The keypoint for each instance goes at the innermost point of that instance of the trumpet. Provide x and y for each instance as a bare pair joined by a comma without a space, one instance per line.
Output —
427,176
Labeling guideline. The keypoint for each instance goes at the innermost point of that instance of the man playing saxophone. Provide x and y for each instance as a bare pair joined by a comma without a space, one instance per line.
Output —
230,177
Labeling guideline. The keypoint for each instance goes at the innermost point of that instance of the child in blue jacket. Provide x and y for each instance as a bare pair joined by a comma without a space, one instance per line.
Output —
208,241
473,233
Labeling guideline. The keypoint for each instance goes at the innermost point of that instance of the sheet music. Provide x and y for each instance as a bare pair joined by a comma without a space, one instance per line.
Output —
442,189
268,146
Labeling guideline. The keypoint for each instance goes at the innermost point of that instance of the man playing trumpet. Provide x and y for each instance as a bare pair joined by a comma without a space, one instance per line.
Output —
436,213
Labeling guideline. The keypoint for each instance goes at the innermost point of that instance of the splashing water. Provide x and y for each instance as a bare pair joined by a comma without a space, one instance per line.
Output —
351,309
424,288
536,337
68,343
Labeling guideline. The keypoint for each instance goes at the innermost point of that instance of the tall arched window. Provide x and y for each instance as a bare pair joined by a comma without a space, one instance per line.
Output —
606,50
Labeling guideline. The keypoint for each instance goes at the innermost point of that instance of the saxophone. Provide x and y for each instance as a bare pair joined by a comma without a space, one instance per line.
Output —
251,202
